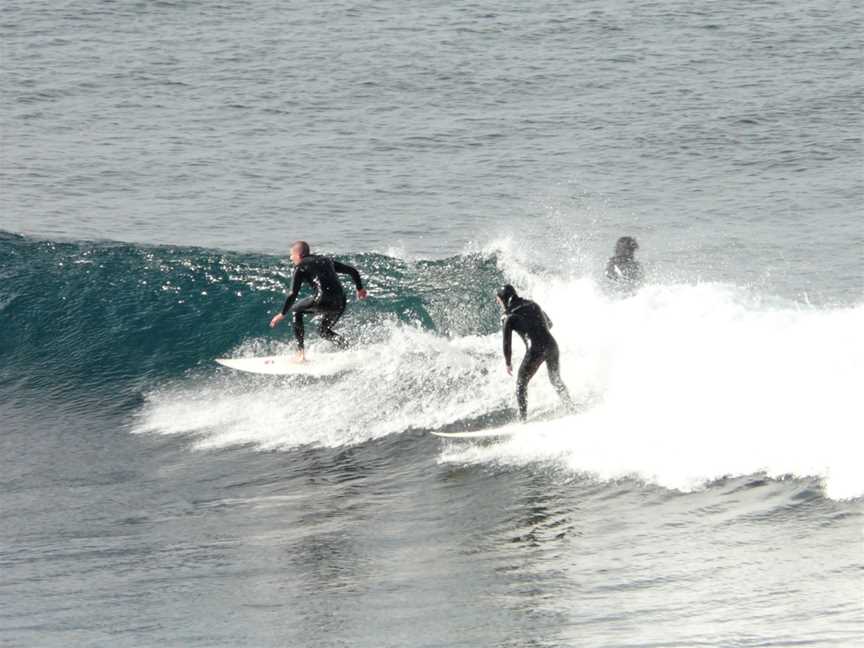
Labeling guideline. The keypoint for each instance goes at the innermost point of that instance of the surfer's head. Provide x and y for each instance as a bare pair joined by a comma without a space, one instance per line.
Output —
626,246
505,295
299,250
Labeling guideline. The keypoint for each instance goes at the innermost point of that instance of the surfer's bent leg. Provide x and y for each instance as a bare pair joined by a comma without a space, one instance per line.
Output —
530,364
297,311
553,365
328,322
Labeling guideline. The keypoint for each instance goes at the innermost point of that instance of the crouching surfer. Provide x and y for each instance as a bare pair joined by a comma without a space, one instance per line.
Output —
327,300
529,321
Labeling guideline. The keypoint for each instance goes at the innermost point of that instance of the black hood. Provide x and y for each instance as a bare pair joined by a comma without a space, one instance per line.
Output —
507,294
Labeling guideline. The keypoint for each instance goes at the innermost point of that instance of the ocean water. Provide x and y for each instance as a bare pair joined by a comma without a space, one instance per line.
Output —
156,159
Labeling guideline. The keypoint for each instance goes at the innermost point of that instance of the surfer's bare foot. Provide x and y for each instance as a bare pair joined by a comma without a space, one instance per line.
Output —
300,356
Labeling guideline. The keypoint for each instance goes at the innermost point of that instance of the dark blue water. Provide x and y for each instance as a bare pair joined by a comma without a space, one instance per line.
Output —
156,160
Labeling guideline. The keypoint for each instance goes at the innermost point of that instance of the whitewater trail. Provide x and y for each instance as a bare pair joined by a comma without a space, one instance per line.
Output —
680,385
414,379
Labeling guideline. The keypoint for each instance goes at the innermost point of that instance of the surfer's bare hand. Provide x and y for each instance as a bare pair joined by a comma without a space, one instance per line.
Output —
509,370
362,294
276,319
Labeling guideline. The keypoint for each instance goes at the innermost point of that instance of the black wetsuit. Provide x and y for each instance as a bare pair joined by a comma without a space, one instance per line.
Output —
529,321
625,271
328,300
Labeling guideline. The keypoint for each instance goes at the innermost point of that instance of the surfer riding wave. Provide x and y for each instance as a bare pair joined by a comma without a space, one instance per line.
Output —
327,300
531,323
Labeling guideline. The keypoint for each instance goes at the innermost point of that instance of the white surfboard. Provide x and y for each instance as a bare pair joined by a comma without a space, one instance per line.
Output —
499,433
503,432
320,365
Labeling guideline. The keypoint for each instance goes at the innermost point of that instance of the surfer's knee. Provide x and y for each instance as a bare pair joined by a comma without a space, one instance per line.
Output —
332,336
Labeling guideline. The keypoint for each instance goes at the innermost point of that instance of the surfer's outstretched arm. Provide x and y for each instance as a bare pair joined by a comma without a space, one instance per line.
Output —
344,268
296,282
508,343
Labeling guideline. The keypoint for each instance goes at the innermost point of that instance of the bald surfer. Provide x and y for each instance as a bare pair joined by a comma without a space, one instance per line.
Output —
532,324
328,297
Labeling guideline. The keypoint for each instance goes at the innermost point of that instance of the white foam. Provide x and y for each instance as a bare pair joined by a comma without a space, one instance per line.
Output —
412,379
698,382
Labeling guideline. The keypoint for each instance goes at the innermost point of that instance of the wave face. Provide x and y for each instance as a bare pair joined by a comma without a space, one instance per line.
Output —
679,385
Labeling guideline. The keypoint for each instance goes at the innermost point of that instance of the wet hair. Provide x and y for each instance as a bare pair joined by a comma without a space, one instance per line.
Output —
626,246
304,248
506,293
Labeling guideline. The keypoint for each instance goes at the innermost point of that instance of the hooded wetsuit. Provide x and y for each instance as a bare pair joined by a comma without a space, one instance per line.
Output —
529,321
321,273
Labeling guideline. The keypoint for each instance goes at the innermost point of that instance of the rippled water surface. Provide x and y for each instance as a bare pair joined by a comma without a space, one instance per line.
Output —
156,158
